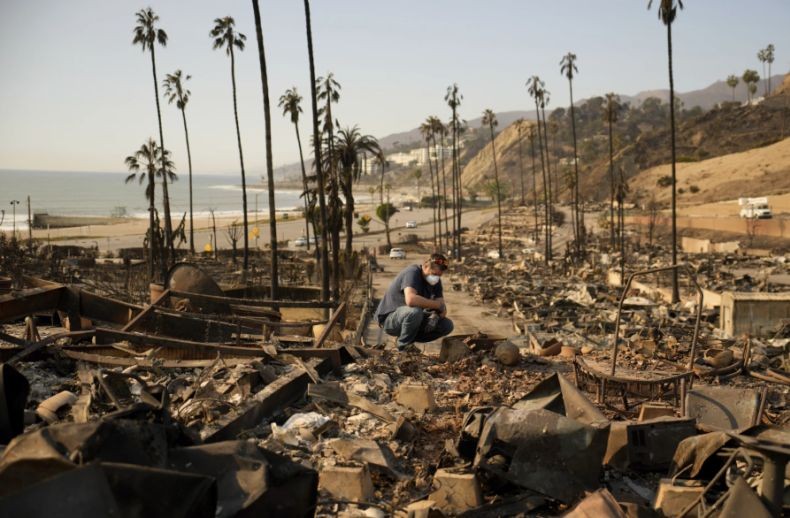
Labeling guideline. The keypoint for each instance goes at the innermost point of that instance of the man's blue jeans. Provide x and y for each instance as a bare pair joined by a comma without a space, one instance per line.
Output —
406,323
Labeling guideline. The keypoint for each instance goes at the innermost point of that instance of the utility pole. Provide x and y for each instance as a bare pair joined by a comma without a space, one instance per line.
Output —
29,228
14,203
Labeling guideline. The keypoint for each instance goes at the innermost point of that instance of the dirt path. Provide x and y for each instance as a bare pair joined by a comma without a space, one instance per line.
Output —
467,315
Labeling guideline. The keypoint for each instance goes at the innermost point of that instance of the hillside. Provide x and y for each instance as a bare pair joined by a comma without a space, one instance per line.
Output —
481,168
642,141
762,171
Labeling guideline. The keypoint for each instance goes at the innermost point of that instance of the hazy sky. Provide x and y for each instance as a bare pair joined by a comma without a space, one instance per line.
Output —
76,95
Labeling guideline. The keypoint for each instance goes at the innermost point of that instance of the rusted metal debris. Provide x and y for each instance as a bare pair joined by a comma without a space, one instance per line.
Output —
162,395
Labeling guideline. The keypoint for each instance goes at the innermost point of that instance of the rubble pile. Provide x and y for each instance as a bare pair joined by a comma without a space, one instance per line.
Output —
606,401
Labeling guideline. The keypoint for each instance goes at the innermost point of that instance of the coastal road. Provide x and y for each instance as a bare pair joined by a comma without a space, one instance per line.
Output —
127,235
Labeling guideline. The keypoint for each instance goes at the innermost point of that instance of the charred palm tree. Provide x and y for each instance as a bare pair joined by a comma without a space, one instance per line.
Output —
176,91
225,36
439,134
147,35
520,129
426,130
667,12
535,87
291,103
611,114
453,99
489,119
317,157
534,182
349,145
267,118
568,68
329,93
147,163
544,101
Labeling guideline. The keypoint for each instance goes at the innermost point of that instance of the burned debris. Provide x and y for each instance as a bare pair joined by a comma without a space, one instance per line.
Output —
605,400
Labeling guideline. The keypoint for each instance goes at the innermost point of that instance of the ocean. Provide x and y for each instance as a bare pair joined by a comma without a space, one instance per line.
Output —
104,194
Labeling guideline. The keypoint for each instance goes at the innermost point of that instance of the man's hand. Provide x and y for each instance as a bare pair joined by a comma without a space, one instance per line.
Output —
414,300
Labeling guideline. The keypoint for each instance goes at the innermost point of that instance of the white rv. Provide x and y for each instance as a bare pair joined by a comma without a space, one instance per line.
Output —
755,208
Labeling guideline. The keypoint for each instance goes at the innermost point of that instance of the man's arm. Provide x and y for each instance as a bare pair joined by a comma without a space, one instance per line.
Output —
415,300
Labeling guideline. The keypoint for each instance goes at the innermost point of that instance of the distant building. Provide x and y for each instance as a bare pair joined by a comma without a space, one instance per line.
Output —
568,161
402,159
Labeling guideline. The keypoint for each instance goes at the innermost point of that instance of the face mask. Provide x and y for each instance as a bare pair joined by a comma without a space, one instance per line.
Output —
433,280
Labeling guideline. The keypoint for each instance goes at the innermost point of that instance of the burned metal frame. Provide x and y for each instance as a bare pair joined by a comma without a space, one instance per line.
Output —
609,383
616,339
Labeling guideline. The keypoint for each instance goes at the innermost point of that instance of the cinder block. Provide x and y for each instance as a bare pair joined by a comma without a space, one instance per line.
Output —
347,482
416,396
455,492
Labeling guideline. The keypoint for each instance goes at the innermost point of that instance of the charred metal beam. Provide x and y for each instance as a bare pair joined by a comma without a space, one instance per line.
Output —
251,302
21,304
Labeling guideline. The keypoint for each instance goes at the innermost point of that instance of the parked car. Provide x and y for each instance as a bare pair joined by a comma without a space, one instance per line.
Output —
397,253
300,241
411,224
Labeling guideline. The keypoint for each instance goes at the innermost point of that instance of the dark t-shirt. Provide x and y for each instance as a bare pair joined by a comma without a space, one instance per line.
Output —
410,277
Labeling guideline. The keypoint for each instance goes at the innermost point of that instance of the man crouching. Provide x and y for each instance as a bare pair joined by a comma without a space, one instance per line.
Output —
413,307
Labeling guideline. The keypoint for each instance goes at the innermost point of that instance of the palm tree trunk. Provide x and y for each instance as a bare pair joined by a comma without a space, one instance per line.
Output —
439,198
579,215
765,83
241,162
189,161
433,200
611,181
317,159
305,195
534,185
444,203
454,205
546,220
521,163
460,198
334,200
151,227
387,207
267,116
349,214
165,197
498,192
550,214
675,290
